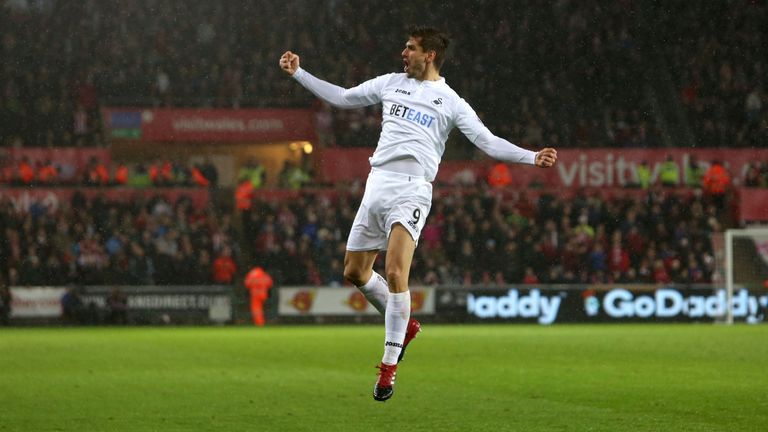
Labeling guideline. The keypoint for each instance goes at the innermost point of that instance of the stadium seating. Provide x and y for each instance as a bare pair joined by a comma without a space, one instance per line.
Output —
587,239
538,74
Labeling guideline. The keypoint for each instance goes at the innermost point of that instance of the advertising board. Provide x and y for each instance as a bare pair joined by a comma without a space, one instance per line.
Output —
146,304
603,303
343,301
210,125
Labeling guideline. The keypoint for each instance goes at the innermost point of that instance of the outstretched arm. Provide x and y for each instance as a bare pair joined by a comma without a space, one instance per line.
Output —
367,93
499,148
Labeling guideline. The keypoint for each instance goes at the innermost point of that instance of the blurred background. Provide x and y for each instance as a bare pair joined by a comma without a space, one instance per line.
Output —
152,153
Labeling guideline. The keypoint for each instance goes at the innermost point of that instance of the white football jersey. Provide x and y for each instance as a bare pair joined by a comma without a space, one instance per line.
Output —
417,117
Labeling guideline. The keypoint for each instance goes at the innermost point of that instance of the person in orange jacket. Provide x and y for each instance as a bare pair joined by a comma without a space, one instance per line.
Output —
244,196
161,173
198,178
154,173
47,173
716,182
96,173
258,283
26,171
716,179
224,267
121,174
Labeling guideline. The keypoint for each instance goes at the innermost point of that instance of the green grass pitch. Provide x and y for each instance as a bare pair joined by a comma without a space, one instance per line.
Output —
320,378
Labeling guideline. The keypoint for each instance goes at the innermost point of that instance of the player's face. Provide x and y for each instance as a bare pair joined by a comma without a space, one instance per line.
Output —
414,59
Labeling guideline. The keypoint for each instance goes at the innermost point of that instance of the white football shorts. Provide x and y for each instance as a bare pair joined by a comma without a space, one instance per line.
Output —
389,198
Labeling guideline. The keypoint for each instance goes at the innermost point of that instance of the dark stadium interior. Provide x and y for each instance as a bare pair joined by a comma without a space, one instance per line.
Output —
564,74
650,74
200,232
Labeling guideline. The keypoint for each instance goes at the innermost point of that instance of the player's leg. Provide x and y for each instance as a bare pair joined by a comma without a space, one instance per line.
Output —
398,266
366,237
399,257
358,270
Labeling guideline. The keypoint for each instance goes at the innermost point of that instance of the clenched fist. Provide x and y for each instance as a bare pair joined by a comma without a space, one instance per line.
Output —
546,157
289,62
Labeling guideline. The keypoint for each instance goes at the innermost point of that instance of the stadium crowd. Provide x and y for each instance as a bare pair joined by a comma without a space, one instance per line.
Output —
477,236
757,175
159,173
98,242
543,75
473,235
720,68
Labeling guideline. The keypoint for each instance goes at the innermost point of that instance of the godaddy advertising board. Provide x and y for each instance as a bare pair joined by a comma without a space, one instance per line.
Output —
603,303
545,304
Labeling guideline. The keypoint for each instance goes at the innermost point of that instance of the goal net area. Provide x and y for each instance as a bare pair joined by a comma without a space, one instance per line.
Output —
745,270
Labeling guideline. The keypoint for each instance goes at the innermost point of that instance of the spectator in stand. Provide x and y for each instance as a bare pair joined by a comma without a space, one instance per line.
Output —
530,277
198,178
121,175
209,171
96,173
716,183
180,174
618,256
644,175
660,273
694,173
47,173
140,265
26,172
252,172
757,175
140,177
251,177
293,176
669,173
224,267
202,271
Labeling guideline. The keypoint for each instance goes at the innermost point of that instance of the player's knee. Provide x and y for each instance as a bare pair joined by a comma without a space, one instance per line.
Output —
354,275
394,278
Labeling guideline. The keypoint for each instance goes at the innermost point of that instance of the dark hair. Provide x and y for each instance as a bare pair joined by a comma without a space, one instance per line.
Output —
431,39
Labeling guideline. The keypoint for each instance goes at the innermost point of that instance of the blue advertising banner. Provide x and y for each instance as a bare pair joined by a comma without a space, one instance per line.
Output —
605,303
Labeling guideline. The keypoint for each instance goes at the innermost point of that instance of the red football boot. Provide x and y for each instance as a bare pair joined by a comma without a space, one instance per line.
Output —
414,327
385,385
